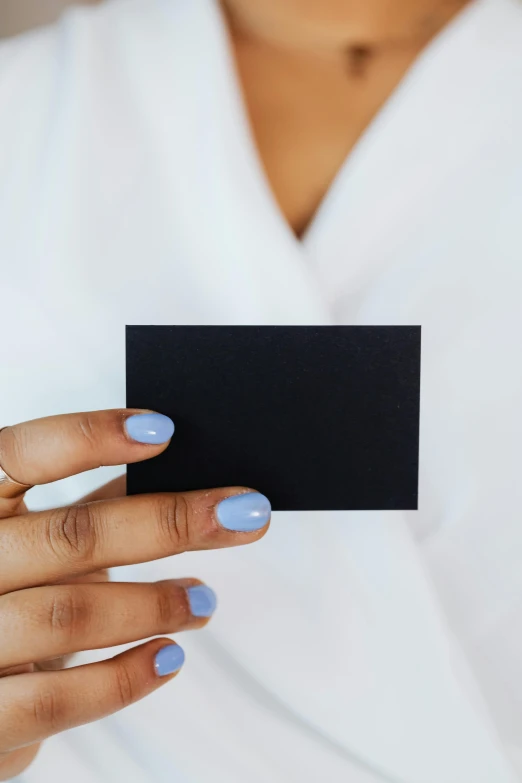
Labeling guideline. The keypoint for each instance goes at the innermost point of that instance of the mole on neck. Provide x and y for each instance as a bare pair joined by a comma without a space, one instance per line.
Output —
358,60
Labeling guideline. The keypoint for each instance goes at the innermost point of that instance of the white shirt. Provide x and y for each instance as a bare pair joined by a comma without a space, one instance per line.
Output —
353,647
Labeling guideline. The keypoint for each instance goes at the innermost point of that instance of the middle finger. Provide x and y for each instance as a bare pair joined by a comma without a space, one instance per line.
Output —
48,546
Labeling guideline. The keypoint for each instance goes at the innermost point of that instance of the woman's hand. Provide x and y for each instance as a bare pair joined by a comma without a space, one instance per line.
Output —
51,602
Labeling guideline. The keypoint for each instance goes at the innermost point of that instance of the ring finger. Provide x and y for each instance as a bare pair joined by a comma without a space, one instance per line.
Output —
47,622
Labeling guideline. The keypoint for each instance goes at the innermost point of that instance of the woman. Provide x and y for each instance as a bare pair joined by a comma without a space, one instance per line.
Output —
263,162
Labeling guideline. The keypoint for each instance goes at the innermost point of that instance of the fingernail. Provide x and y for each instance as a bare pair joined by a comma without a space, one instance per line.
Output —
244,513
169,659
202,601
154,428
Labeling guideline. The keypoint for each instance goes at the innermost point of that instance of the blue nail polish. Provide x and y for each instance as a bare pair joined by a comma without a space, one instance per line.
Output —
244,513
202,601
154,428
169,659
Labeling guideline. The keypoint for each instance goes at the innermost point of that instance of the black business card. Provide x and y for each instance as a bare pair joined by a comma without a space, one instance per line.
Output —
314,417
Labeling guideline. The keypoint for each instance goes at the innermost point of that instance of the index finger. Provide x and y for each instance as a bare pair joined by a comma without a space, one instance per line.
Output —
56,447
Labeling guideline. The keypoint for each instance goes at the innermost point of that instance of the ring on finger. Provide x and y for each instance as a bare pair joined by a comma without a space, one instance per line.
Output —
9,488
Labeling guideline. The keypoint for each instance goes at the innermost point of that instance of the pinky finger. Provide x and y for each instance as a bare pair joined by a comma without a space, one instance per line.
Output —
37,705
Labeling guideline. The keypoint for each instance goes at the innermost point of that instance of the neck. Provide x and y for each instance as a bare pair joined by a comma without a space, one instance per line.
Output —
330,26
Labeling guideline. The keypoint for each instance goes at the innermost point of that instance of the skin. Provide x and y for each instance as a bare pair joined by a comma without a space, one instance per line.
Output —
308,101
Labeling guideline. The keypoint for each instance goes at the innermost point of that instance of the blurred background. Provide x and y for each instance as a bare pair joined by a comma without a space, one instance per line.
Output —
19,15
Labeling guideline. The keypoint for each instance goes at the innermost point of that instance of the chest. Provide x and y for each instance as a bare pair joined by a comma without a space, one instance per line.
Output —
308,111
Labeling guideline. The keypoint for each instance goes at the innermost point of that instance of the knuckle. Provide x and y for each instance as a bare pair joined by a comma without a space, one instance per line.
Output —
47,709
68,613
88,431
167,606
173,514
125,686
71,533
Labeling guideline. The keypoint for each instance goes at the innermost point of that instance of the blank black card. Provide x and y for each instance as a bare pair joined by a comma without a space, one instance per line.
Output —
316,418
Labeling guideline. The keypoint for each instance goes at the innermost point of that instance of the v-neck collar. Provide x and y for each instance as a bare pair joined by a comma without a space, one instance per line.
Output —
375,196
246,137
409,145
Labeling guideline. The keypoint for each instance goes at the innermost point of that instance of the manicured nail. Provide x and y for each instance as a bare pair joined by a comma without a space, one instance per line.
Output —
202,601
152,428
244,513
169,659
